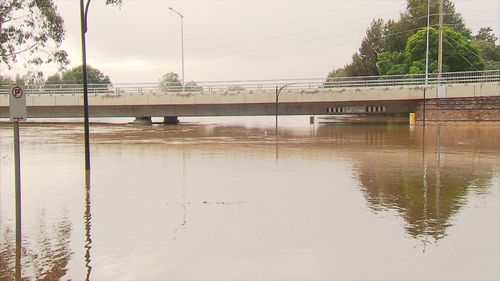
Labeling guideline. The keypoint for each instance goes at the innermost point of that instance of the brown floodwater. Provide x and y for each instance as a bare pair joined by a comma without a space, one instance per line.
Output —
227,199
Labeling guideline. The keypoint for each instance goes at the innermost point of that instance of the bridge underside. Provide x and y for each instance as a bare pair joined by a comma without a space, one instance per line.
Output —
311,108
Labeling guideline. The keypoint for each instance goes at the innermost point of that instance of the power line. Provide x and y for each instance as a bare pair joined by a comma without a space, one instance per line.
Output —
460,54
465,47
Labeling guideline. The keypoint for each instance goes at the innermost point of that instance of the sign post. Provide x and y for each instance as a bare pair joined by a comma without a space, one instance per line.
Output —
18,112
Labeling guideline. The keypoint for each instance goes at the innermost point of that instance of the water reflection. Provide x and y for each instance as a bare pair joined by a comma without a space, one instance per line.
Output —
426,188
244,200
423,173
184,203
44,257
88,227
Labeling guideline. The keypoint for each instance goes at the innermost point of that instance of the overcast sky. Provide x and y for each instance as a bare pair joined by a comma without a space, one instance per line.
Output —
234,40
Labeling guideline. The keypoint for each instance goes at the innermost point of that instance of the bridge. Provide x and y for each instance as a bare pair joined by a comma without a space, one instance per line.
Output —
476,93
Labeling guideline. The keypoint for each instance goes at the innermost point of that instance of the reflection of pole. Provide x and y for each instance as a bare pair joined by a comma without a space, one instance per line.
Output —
83,17
425,178
438,170
88,226
17,160
423,110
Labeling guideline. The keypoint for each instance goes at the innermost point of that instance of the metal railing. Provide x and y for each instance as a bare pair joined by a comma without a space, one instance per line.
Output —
263,85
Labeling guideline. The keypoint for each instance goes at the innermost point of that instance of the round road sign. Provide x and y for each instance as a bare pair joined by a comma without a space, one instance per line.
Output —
17,92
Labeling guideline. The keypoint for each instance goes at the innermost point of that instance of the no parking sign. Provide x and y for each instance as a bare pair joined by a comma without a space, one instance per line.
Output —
17,103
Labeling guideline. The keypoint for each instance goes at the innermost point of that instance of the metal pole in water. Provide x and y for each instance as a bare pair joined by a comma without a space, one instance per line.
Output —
83,18
276,110
17,161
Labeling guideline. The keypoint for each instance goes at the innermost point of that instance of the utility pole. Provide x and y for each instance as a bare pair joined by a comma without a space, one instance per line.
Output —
440,53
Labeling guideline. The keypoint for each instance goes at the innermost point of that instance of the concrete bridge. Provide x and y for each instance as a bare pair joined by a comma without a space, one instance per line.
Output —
477,94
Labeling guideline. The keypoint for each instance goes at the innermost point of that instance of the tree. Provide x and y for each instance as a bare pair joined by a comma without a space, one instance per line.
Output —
393,36
486,34
460,54
30,78
170,82
337,73
75,76
192,86
364,62
391,63
94,76
54,79
415,17
490,52
31,32
5,81
35,29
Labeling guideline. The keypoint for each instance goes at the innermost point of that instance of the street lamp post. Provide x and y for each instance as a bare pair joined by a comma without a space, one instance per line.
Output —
427,48
278,91
182,42
83,15
427,55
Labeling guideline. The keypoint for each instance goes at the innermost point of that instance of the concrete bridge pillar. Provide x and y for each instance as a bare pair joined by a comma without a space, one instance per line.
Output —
143,120
170,120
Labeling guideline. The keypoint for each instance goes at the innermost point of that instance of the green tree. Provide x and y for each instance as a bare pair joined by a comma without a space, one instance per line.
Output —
54,79
393,36
486,34
391,63
364,62
459,53
170,82
75,76
415,17
490,52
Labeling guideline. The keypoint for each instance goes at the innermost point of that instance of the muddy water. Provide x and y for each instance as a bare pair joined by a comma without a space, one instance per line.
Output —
228,200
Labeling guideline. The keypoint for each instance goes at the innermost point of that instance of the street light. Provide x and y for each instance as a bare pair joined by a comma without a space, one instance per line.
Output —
427,54
84,9
427,50
277,96
182,42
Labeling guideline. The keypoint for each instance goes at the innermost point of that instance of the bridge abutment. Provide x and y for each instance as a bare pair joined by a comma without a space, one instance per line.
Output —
474,109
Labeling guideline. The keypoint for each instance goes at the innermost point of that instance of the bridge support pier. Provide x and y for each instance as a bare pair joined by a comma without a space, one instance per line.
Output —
143,120
170,120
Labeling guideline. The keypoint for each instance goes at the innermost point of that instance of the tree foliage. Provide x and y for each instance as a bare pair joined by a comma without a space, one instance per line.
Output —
383,49
75,76
35,29
192,86
486,41
486,34
459,54
365,60
170,82
5,81
415,18
30,27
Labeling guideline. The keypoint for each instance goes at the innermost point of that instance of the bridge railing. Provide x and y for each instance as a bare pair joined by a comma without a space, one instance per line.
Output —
263,85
